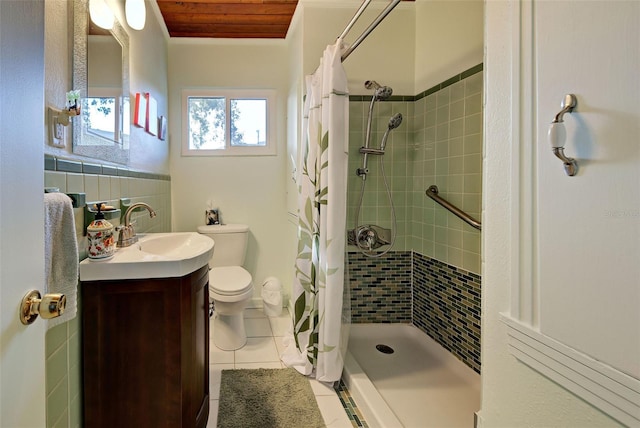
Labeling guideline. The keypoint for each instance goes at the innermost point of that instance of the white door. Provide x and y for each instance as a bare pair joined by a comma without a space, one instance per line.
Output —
589,224
22,354
574,265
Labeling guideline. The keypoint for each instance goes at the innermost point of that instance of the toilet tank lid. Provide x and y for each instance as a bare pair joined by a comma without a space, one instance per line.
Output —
223,228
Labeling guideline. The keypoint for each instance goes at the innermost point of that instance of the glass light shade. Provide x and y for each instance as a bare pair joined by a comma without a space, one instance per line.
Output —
136,14
101,14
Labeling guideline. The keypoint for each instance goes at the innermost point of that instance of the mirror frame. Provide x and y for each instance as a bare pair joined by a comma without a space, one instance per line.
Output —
116,152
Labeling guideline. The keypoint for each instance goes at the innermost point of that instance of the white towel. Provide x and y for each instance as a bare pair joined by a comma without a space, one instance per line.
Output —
60,253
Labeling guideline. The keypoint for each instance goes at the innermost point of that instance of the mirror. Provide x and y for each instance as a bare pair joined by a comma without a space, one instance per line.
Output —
101,74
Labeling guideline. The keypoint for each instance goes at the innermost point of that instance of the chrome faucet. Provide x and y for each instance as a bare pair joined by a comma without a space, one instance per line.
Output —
127,235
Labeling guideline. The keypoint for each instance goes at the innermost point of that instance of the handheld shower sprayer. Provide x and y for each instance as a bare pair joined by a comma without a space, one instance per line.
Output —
394,122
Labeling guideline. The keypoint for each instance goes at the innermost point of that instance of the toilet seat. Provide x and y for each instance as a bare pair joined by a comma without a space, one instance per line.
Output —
229,281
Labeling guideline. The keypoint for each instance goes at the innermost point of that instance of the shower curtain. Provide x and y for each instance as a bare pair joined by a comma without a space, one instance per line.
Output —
313,347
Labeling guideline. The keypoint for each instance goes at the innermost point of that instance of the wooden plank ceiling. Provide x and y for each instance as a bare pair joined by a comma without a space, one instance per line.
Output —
235,19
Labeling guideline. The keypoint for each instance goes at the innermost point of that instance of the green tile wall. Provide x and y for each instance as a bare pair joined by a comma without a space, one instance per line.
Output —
439,142
431,276
63,342
376,207
447,152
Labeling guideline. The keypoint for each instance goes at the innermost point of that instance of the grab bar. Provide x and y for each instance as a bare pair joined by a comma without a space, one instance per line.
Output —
432,192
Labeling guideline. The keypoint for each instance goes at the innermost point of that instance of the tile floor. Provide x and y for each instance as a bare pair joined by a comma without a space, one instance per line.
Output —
263,348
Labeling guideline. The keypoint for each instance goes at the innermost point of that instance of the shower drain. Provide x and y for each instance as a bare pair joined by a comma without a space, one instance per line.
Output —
385,349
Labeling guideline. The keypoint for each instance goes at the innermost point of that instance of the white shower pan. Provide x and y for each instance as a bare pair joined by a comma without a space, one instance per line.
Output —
420,384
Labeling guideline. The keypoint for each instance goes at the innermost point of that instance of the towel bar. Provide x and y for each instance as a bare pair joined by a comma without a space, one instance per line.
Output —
78,200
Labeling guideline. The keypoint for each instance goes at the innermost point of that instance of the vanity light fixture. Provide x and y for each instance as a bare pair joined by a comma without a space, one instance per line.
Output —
136,14
101,14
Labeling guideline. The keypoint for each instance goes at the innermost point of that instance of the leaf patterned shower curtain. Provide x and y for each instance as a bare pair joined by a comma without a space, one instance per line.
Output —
314,345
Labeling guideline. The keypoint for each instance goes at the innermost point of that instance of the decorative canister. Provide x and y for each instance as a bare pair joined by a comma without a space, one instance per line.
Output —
101,241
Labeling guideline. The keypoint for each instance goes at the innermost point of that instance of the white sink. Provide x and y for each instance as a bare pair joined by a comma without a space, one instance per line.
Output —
155,255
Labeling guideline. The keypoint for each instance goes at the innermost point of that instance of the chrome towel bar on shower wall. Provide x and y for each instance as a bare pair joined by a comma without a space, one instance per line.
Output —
432,192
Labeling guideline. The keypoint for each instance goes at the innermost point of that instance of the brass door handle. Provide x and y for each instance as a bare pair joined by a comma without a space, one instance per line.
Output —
52,305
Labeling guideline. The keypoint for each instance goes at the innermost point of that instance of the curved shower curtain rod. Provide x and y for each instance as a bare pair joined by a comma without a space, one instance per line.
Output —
369,29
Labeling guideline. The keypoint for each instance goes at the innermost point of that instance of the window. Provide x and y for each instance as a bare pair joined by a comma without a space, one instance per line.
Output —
228,122
106,115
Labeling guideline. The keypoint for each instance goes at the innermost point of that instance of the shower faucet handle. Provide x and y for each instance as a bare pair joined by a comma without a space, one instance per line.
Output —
366,238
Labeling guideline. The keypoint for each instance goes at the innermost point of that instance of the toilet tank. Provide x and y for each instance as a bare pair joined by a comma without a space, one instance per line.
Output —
230,243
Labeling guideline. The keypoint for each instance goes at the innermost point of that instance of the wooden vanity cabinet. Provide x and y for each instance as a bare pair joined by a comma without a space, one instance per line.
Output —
146,352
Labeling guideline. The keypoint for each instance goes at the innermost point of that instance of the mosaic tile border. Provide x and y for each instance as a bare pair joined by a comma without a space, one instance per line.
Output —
53,163
447,307
380,287
442,300
349,405
470,72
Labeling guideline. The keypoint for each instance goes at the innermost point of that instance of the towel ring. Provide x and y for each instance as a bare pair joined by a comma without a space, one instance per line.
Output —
558,135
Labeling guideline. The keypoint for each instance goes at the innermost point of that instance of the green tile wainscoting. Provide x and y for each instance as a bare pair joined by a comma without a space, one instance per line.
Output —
102,183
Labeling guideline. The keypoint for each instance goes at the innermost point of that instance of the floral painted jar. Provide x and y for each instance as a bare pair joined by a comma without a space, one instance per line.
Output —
100,238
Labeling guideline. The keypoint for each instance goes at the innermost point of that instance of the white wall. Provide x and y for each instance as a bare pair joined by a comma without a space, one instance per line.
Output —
512,393
148,73
386,55
294,104
449,40
58,59
148,53
104,58
246,189
417,46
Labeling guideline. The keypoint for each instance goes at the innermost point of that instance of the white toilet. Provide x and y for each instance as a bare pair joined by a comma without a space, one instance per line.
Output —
230,285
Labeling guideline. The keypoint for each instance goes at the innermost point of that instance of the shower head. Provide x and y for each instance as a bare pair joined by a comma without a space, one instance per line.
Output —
394,122
380,92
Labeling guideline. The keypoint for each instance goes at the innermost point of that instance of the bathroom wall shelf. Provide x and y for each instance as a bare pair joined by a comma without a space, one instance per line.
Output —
78,200
90,214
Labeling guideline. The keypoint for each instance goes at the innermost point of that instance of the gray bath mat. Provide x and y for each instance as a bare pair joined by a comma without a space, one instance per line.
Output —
274,398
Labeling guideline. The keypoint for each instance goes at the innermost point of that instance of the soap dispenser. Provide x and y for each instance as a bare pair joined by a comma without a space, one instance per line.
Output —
101,242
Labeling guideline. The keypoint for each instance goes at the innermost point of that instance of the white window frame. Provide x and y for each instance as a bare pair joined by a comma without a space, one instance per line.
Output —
116,93
237,94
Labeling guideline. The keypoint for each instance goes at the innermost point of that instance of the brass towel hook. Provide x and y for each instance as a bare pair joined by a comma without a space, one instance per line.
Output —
558,135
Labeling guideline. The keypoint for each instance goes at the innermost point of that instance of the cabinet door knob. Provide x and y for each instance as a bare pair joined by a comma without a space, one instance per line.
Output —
50,306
